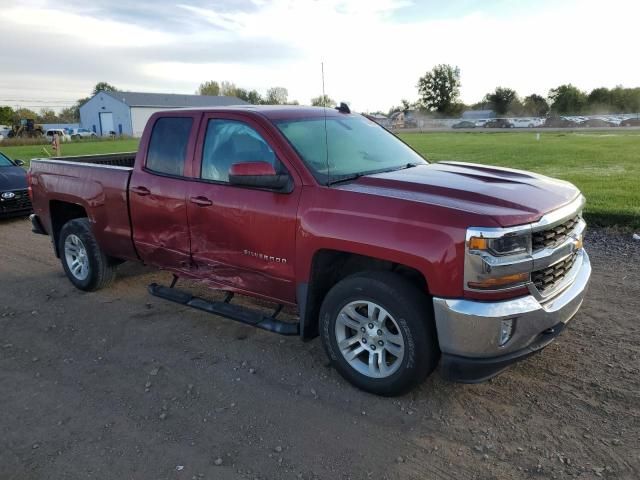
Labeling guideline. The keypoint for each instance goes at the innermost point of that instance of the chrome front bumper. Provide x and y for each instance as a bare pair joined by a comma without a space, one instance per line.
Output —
471,329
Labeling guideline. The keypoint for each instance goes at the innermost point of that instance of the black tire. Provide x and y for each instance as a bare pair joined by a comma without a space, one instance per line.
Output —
101,269
412,312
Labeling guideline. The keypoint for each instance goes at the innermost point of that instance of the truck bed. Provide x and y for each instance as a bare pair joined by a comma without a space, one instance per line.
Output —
97,184
126,159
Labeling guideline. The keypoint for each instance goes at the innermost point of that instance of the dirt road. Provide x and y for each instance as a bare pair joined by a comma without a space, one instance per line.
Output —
121,385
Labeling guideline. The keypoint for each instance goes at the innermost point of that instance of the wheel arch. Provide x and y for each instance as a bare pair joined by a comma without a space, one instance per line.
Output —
328,267
61,212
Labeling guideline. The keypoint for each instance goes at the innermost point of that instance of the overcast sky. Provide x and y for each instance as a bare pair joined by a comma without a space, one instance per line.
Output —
374,51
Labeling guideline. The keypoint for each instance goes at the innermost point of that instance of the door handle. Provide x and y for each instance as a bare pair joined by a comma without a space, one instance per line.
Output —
201,201
142,191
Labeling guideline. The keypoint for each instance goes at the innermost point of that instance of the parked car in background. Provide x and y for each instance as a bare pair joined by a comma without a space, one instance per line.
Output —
464,124
481,122
578,120
4,132
559,122
62,134
616,120
630,122
14,196
80,133
597,123
499,123
523,122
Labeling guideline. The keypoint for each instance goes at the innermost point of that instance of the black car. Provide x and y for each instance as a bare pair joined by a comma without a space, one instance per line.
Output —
498,123
464,124
559,122
630,122
597,123
14,197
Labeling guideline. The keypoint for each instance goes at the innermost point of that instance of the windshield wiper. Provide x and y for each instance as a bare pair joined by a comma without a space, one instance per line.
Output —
347,178
355,176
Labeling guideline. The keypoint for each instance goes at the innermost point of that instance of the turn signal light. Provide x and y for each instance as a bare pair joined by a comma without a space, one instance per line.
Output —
478,243
497,282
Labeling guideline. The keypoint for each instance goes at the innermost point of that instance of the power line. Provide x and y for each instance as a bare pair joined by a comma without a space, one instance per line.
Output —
32,101
21,87
52,107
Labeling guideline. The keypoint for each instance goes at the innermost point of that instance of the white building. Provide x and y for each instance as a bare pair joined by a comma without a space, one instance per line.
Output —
126,113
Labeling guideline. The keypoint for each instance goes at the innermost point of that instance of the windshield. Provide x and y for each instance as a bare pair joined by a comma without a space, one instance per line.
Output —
5,162
356,146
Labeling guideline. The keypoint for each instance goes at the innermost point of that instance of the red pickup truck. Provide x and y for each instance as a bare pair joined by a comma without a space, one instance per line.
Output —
398,264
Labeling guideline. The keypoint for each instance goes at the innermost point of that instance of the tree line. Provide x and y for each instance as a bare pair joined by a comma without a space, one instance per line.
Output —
10,116
273,96
439,92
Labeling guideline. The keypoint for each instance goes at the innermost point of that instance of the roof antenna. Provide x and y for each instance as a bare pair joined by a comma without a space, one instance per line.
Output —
326,133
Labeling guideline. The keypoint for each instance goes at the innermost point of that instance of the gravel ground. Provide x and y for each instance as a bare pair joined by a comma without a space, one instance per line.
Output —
119,384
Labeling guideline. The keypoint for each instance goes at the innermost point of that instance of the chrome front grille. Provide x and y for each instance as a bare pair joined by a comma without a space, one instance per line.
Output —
21,202
548,278
551,237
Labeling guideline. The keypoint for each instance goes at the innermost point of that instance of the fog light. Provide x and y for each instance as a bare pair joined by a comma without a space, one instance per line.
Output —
506,330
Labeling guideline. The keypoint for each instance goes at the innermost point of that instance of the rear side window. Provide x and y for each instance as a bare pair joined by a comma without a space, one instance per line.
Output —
168,145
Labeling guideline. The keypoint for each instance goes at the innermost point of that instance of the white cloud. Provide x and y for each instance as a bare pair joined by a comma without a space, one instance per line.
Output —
370,59
85,29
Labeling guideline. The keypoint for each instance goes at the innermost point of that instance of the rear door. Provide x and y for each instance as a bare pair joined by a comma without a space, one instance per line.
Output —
242,238
158,189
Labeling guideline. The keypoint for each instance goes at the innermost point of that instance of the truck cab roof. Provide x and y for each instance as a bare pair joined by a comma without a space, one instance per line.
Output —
271,112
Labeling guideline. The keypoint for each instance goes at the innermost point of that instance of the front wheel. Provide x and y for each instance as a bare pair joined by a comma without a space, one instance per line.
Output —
85,264
378,331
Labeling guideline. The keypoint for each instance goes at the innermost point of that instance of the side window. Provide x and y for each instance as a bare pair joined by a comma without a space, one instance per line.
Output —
168,145
228,142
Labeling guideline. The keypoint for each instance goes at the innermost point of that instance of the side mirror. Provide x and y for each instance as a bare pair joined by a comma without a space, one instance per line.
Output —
257,174
19,163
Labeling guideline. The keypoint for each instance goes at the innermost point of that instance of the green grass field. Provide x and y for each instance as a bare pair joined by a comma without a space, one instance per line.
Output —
28,152
605,166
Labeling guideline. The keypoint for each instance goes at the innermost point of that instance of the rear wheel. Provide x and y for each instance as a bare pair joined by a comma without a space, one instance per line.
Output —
378,331
85,264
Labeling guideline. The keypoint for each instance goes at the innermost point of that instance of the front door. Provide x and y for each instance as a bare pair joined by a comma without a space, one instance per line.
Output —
241,238
157,193
106,123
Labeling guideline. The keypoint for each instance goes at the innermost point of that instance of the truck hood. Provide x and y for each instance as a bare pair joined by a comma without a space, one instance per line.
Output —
12,178
509,197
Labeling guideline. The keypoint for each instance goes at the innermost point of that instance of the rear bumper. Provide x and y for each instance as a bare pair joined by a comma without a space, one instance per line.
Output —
469,331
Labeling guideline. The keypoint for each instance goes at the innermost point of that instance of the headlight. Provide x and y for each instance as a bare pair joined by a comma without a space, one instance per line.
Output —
507,245
497,259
